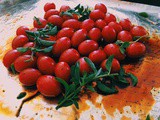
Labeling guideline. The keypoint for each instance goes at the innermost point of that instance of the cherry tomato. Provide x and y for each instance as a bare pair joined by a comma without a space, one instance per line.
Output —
40,23
66,17
28,45
48,86
29,76
61,45
65,32
51,38
69,56
19,41
96,14
101,7
78,37
115,66
72,23
109,18
97,56
46,65
95,34
50,13
10,57
138,31
124,36
55,20
136,50
87,47
62,70
115,26
22,30
87,24
113,49
84,67
126,24
64,8
49,6
23,62
100,23
109,34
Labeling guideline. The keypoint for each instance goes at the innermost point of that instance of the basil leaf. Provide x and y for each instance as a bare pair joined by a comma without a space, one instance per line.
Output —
122,50
98,72
144,14
23,49
45,50
90,87
119,42
134,79
75,103
45,42
71,88
91,64
38,21
13,68
124,46
67,13
148,117
109,64
77,7
77,72
65,104
21,95
53,31
63,82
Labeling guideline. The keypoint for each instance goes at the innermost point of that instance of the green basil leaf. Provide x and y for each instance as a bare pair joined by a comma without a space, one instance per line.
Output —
148,117
30,33
67,13
159,118
63,82
98,72
53,31
109,64
134,79
65,104
77,72
122,71
22,49
91,64
21,95
38,21
75,103
13,68
119,42
77,7
122,50
72,70
45,50
123,47
90,87
144,14
46,43
71,88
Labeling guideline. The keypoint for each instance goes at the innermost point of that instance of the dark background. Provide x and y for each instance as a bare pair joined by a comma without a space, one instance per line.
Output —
149,2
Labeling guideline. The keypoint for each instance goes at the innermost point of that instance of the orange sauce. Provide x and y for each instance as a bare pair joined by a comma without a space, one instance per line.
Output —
125,118
5,110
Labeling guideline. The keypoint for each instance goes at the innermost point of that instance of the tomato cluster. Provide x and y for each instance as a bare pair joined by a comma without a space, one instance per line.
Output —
95,37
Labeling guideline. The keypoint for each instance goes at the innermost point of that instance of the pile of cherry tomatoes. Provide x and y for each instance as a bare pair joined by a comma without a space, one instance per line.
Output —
94,38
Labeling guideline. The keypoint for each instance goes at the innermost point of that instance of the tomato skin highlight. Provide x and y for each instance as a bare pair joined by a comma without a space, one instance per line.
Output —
42,21
50,13
29,76
95,34
72,23
101,7
19,41
64,8
87,47
109,18
48,86
28,45
69,56
138,31
63,71
136,50
96,14
115,66
65,32
46,65
87,24
10,57
115,26
49,6
124,36
126,24
113,49
22,62
109,34
55,20
97,56
100,23
78,37
61,45
22,30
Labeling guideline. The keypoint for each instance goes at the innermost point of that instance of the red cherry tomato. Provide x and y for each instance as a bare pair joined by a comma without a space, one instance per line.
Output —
49,6
95,34
62,70
46,65
55,20
115,26
23,62
101,7
97,56
22,30
28,45
60,46
72,23
109,18
69,56
66,17
96,14
138,31
51,38
48,86
136,50
113,49
87,47
50,13
78,37
40,23
115,66
126,24
65,32
19,41
84,67
10,57
124,36
29,76
64,8
109,34
100,23
87,24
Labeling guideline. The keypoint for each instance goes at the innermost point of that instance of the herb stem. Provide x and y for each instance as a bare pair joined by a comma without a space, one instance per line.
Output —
106,75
